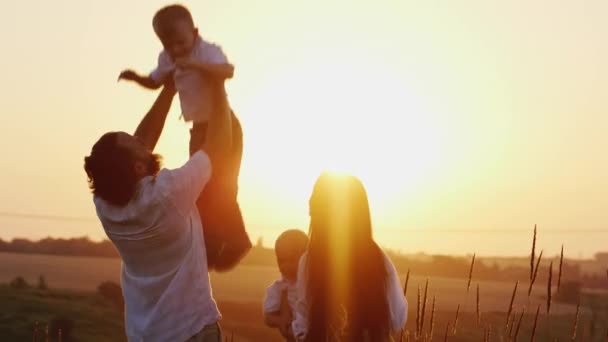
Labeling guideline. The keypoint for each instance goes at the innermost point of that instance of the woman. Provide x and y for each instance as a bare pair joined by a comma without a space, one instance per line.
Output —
348,289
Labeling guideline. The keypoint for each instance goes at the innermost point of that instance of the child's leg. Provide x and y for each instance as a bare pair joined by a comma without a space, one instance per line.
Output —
226,239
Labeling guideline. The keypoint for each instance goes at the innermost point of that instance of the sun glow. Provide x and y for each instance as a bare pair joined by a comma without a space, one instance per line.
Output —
315,116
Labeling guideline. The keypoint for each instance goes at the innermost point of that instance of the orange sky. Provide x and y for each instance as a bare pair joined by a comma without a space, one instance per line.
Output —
461,115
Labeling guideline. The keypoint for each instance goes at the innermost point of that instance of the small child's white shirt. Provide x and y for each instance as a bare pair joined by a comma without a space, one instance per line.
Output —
272,302
194,90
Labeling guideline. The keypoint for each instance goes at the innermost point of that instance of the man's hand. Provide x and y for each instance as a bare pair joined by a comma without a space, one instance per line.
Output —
128,75
169,85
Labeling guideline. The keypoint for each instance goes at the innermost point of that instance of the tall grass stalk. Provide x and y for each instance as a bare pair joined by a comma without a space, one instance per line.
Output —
540,256
521,316
407,280
424,300
432,327
456,319
535,324
561,264
532,254
549,285
510,310
576,317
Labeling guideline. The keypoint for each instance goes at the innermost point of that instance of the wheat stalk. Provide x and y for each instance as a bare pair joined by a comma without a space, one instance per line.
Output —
532,255
424,300
521,316
456,319
535,323
478,307
576,316
511,304
561,263
432,319
407,280
549,287
511,326
447,329
35,337
418,314
540,256
471,273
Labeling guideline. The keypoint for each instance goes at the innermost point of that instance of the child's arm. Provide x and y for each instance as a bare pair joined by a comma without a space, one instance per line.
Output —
220,71
144,81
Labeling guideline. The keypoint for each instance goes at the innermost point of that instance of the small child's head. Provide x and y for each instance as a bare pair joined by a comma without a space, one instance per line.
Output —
289,247
175,28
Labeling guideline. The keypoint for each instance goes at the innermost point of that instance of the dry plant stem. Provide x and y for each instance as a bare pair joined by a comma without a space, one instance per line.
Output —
35,338
471,273
424,300
511,326
456,319
521,316
407,280
535,323
511,304
532,254
576,316
447,329
540,256
478,308
432,327
561,264
418,315
549,287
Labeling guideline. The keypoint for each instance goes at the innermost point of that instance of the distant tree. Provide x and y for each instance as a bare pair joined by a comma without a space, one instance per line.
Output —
260,242
42,283
19,283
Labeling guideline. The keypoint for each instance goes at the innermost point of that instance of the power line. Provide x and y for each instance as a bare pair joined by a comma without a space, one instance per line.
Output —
46,217
64,218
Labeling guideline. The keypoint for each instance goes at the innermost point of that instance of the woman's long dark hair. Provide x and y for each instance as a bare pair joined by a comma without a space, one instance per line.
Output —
346,274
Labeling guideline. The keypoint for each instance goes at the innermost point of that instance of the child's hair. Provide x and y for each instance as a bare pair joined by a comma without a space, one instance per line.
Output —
294,238
171,14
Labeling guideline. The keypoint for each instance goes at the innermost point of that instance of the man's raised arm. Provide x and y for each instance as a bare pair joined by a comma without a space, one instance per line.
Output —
151,126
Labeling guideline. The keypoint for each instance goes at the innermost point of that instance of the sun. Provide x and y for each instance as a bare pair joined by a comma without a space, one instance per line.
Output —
313,117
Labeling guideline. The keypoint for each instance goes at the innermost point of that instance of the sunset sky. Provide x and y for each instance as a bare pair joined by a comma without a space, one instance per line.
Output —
468,121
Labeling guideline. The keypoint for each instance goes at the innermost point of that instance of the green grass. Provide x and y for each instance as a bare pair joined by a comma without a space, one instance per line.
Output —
241,301
94,318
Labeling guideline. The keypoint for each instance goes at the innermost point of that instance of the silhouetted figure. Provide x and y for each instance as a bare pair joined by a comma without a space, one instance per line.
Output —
348,289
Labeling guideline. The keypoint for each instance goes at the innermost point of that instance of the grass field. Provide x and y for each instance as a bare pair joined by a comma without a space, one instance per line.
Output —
240,302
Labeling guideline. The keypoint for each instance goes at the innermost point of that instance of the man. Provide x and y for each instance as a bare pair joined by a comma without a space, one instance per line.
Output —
151,217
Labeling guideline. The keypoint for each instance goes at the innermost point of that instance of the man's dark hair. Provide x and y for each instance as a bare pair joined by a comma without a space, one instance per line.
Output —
110,169
170,14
